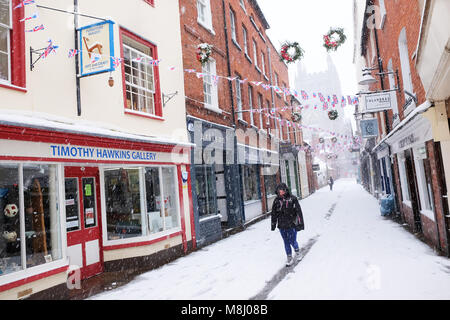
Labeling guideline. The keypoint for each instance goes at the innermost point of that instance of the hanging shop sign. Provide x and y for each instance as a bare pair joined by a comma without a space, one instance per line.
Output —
369,128
97,48
378,102
316,167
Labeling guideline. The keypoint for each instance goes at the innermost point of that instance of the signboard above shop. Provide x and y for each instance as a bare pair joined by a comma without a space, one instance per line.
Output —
97,48
369,128
378,101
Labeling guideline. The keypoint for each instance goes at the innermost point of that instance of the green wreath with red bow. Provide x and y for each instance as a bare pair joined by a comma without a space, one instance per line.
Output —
334,39
291,52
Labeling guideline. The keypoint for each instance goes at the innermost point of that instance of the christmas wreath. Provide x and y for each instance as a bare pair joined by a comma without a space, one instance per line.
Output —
296,117
333,114
334,139
204,51
331,43
321,140
291,52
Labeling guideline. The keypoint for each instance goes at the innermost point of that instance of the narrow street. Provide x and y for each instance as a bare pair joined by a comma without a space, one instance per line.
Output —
349,251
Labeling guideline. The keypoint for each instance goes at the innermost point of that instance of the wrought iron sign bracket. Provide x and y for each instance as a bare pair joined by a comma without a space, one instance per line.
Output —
169,97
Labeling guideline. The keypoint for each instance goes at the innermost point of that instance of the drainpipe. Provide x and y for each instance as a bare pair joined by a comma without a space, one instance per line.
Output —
77,61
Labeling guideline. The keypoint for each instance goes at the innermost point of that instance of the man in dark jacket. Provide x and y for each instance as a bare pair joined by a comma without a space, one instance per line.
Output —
287,215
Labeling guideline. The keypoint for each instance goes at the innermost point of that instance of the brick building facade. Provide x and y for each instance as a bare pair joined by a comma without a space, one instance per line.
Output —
225,97
407,151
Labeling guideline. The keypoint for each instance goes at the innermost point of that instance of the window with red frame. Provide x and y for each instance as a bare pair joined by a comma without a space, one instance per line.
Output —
5,40
12,45
141,77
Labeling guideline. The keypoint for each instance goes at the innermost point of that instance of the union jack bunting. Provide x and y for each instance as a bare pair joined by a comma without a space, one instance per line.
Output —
24,3
265,86
304,95
343,102
154,63
215,79
35,29
34,16
335,99
116,62
349,100
355,100
73,53
314,95
50,48
189,70
322,99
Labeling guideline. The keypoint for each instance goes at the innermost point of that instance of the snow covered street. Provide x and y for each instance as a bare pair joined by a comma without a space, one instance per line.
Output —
351,252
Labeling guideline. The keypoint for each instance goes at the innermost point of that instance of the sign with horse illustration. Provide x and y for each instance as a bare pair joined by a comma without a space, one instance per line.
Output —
97,48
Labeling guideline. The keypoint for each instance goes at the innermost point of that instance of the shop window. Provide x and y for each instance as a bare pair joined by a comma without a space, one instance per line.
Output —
72,204
127,198
30,235
153,198
171,211
403,178
423,171
123,203
205,181
250,181
270,184
141,76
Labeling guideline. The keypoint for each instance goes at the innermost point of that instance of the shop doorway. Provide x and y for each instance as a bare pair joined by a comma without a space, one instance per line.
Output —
82,201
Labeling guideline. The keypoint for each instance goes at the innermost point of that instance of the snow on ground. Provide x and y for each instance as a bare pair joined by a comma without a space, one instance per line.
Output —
361,255
358,255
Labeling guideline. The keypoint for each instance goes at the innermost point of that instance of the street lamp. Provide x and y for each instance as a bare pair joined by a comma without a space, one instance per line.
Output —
367,78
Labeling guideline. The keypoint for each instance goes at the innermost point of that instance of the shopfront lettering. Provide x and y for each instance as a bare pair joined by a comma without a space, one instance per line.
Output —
409,140
98,153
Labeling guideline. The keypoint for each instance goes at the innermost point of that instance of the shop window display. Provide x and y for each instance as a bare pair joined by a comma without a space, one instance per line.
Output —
205,181
153,198
10,242
42,236
250,180
123,203
124,210
170,198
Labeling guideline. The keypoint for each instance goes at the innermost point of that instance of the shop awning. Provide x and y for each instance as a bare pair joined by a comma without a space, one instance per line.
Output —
403,136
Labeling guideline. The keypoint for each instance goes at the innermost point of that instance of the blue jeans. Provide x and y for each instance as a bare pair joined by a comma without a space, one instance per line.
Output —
290,239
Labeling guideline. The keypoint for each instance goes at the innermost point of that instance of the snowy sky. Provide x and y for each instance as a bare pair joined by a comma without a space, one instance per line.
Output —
306,21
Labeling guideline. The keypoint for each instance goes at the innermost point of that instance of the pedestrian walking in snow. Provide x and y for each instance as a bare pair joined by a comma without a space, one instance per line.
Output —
330,182
287,216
